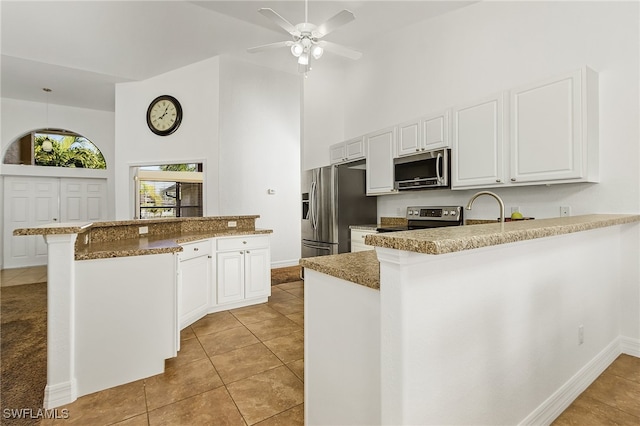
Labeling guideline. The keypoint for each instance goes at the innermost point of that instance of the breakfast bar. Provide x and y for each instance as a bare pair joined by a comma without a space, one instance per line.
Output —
119,292
452,325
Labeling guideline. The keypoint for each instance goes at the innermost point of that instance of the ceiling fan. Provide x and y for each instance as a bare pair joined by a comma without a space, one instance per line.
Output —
307,43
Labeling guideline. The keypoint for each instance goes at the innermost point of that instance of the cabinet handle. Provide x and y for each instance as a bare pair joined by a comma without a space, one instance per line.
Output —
417,149
241,252
513,179
209,256
244,242
498,180
247,252
196,249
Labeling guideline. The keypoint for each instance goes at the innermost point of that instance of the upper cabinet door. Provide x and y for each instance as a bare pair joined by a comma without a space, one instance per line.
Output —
354,148
547,131
380,148
409,138
477,143
435,131
337,153
350,150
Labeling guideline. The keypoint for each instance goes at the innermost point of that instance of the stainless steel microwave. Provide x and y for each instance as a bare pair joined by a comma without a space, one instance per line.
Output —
429,169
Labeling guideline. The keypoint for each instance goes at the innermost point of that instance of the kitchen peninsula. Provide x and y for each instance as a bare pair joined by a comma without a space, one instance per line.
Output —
119,292
481,324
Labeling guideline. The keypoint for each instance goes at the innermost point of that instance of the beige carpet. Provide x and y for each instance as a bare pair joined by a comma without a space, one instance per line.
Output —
23,349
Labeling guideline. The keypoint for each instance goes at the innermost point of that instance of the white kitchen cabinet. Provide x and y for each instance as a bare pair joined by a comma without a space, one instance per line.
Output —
357,240
380,151
243,269
477,151
554,129
427,133
350,150
195,282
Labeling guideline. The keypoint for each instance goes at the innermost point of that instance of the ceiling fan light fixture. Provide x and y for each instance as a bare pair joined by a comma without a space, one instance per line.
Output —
303,59
317,51
297,49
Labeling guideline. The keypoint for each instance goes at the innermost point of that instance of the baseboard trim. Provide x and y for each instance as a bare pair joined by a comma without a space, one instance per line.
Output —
630,346
285,263
60,394
550,409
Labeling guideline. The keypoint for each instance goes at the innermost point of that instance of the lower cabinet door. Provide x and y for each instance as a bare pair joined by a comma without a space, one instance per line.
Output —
195,293
230,276
257,279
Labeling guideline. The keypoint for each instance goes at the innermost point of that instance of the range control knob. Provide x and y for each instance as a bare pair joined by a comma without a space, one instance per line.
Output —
453,213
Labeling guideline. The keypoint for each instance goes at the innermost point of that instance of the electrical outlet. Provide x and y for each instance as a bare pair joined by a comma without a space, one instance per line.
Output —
143,230
580,334
232,224
565,211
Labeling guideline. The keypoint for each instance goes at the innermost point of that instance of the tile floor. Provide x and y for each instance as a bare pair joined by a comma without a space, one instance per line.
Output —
239,367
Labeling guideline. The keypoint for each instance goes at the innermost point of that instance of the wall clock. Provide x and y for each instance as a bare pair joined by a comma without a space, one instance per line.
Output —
164,115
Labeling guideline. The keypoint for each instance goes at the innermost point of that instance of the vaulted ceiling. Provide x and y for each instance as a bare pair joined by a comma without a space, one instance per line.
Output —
81,49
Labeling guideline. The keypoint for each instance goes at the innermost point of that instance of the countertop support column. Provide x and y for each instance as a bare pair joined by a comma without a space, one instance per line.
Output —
61,378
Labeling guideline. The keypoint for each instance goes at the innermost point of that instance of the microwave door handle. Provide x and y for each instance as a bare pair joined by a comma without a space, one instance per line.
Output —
438,158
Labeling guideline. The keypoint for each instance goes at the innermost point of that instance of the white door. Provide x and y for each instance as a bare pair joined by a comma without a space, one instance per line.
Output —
477,143
83,200
28,202
230,266
257,264
195,282
380,152
409,136
546,133
32,201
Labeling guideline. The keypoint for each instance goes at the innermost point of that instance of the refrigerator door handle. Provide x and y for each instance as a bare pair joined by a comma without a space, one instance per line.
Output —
314,205
317,247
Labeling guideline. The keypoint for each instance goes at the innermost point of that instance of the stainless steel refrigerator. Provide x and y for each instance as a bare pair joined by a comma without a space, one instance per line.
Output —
333,198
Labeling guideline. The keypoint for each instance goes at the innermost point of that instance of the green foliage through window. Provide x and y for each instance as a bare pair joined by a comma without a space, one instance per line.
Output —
67,151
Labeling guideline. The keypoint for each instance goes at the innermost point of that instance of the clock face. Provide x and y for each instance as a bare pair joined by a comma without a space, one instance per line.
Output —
164,115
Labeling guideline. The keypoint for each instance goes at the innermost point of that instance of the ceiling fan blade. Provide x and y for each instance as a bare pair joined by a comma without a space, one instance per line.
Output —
270,46
339,49
279,20
339,19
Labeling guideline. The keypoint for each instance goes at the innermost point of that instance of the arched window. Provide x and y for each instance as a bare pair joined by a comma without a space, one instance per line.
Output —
55,147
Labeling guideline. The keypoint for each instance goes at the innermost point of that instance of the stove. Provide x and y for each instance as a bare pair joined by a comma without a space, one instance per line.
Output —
423,217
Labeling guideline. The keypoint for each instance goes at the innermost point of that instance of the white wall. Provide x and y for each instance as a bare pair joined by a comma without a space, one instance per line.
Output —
323,114
260,150
492,46
196,88
242,121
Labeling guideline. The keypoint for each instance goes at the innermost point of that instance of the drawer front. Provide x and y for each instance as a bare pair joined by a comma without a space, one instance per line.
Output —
195,249
241,243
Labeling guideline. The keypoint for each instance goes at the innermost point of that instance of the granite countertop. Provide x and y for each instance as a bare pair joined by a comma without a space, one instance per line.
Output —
361,267
458,238
153,244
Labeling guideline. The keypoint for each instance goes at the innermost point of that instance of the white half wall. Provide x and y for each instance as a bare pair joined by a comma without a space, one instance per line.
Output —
260,151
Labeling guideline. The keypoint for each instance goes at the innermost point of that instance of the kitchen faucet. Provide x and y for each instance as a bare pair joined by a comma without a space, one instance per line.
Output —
494,196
